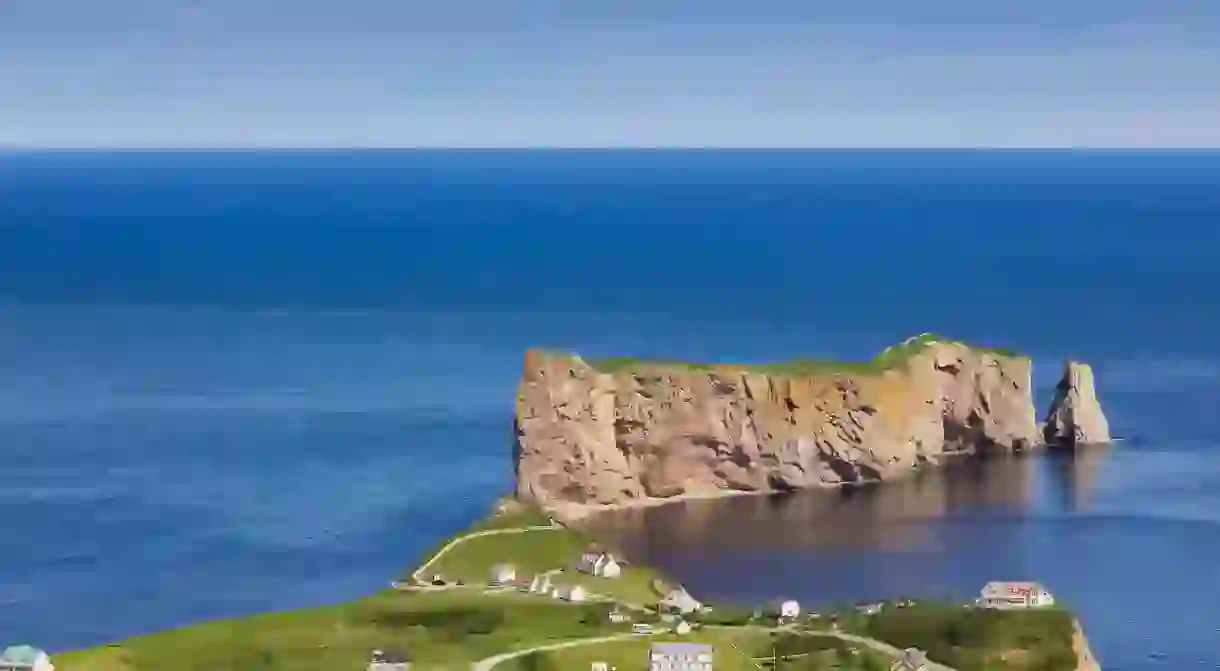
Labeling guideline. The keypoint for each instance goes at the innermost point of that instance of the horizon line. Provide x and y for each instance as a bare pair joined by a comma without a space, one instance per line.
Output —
19,149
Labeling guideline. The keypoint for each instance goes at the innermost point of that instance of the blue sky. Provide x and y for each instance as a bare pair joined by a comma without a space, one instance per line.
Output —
581,73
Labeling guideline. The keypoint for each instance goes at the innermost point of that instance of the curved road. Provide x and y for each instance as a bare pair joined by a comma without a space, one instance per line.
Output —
487,664
415,576
490,662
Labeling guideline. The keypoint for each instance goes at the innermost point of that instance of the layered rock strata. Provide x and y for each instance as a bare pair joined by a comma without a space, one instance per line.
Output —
652,431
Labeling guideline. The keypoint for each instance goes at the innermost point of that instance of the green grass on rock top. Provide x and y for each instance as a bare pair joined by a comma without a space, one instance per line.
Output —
888,359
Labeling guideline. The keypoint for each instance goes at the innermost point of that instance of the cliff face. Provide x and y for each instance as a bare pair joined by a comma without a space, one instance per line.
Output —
586,437
1085,661
1075,416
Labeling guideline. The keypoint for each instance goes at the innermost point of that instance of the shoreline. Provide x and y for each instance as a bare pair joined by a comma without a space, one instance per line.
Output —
575,513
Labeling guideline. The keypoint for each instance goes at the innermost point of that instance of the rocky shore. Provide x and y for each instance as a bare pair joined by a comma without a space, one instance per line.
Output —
592,436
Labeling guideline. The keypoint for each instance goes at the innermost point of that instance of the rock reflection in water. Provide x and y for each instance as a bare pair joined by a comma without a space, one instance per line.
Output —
898,537
1075,473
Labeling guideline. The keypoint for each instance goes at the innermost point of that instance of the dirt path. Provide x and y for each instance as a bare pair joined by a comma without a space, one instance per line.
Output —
419,582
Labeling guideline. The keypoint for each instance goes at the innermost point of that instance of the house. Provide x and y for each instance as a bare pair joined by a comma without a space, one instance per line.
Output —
682,628
680,657
573,593
502,574
617,616
389,660
541,584
599,666
600,564
789,609
912,659
869,608
1006,594
678,600
25,658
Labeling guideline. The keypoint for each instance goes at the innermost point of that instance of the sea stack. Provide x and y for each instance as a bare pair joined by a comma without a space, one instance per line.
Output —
593,434
1075,416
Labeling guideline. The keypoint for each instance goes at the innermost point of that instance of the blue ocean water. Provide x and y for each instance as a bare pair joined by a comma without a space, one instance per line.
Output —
232,382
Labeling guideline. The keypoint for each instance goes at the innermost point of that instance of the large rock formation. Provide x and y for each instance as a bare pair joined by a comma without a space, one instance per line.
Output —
655,431
1075,416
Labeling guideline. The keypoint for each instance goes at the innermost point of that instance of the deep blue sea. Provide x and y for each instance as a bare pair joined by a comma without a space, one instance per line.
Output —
233,382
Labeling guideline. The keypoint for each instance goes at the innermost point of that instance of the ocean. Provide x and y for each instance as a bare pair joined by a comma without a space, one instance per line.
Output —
234,382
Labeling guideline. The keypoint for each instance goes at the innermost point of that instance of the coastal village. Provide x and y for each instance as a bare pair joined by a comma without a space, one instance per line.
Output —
633,618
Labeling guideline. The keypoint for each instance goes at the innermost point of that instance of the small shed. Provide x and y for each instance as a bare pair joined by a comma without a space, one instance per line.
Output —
789,609
541,584
683,627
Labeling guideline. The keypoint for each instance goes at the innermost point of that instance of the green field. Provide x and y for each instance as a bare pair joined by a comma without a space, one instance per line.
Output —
733,650
811,652
518,517
444,629
530,552
539,551
970,639
729,653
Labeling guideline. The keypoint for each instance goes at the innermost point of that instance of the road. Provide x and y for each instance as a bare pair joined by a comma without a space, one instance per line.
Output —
490,662
419,582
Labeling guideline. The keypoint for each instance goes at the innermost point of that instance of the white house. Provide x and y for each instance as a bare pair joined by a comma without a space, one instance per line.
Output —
679,601
601,564
502,574
25,658
599,666
573,593
789,609
541,584
1007,594
680,657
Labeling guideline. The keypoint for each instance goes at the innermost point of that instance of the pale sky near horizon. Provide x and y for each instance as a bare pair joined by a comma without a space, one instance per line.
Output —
594,73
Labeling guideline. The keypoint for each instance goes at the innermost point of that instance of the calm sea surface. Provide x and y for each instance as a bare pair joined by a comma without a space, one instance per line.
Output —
239,382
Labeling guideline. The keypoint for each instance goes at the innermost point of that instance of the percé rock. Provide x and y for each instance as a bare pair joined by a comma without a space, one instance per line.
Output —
1075,416
656,431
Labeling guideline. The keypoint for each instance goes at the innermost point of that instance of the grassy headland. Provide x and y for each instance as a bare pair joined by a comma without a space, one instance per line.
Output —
442,628
452,626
